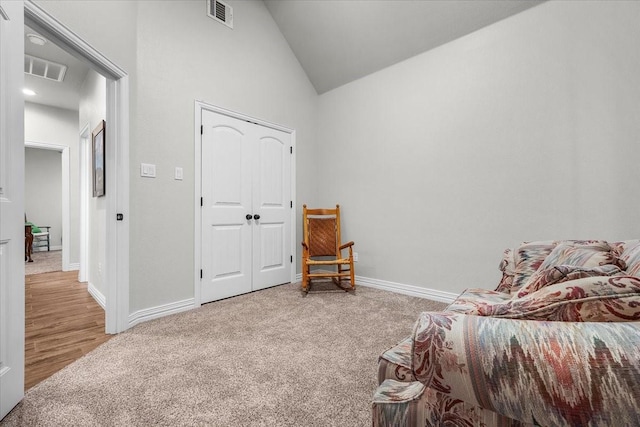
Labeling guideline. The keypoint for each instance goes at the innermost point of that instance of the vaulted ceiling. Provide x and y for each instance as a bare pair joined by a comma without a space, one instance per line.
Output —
338,41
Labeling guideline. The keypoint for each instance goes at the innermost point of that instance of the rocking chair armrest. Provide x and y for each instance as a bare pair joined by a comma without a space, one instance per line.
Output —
346,245
305,247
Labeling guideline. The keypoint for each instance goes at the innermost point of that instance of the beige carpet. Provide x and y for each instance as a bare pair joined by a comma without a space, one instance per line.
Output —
269,358
44,262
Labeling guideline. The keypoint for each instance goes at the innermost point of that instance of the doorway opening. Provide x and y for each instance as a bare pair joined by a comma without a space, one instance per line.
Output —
47,200
115,256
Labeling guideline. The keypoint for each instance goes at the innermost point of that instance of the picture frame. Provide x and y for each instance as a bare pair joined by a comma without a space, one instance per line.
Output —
98,138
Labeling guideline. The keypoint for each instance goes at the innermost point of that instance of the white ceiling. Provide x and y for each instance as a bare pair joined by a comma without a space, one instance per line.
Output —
338,41
65,94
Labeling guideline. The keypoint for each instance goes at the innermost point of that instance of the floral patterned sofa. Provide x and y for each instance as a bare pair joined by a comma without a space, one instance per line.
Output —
557,343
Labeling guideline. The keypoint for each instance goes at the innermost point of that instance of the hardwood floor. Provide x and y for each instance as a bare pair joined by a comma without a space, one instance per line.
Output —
62,323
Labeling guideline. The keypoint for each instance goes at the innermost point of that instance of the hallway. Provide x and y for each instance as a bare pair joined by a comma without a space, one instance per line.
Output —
62,323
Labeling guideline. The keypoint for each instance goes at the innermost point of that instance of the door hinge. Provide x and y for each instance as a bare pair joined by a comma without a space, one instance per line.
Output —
291,204
119,217
201,202
201,130
291,149
201,273
292,259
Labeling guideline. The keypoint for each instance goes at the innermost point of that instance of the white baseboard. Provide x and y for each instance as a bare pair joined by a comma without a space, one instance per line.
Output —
160,311
44,248
401,288
97,295
74,266
412,290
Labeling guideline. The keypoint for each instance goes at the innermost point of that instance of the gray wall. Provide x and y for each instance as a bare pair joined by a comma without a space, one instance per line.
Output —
524,130
91,111
43,191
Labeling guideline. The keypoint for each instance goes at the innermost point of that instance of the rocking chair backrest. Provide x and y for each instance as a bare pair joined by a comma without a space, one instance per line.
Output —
322,231
322,237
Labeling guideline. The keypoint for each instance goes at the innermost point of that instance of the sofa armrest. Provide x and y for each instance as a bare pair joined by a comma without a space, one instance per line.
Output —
546,373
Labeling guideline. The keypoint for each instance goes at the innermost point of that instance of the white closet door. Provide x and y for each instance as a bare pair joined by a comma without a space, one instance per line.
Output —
226,192
271,200
246,212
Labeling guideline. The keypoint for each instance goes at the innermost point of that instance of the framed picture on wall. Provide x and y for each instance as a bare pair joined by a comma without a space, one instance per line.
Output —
97,158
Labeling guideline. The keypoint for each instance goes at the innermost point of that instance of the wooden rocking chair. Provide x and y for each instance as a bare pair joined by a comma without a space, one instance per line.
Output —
321,229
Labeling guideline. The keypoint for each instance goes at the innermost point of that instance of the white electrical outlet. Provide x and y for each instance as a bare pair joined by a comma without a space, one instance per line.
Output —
355,257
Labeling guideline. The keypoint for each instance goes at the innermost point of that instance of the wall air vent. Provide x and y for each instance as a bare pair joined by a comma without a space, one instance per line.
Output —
42,68
221,12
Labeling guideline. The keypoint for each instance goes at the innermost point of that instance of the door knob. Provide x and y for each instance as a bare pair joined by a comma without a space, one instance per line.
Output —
256,217
248,217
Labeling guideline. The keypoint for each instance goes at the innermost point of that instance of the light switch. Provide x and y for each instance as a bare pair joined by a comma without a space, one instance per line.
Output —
147,170
179,174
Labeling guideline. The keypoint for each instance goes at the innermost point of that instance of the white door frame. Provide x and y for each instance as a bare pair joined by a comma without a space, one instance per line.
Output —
200,106
116,260
85,161
66,221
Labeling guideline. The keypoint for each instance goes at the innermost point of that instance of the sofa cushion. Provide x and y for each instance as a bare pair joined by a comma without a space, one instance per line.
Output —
34,228
624,245
591,254
564,273
590,299
630,254
527,258
471,300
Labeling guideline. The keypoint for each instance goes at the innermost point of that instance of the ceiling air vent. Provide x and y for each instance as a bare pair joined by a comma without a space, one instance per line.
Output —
221,12
42,68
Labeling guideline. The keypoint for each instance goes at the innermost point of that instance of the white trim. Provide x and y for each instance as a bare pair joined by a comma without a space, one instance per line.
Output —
65,185
52,29
51,248
197,227
412,290
45,146
199,107
294,224
401,288
160,311
97,295
66,210
117,239
116,260
74,266
84,161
